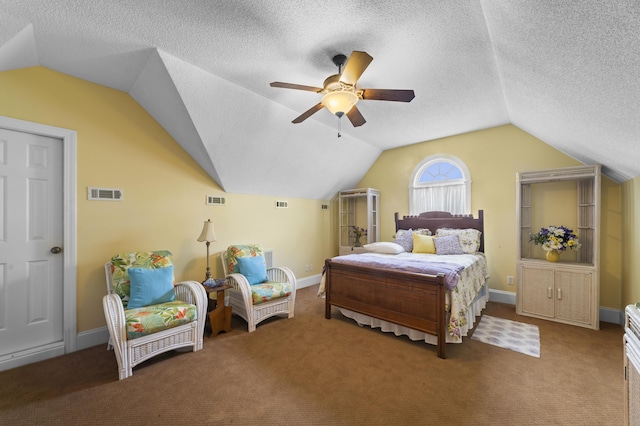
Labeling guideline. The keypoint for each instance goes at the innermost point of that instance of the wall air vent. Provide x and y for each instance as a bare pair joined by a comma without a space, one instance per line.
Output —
104,194
268,257
325,207
282,205
215,201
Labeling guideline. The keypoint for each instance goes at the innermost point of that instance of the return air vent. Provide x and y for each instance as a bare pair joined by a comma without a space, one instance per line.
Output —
282,205
104,194
215,201
268,257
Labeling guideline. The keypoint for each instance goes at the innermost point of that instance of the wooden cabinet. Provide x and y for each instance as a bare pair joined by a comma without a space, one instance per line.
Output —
358,207
567,291
561,293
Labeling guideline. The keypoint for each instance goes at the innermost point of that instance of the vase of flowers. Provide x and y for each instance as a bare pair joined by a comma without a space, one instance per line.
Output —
358,233
552,256
554,240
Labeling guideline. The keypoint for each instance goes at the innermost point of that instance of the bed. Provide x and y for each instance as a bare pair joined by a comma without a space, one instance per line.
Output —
430,297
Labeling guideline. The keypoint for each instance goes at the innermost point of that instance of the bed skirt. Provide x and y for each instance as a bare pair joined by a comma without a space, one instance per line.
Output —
474,310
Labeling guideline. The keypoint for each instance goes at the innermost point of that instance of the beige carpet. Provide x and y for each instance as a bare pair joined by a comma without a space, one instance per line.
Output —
312,371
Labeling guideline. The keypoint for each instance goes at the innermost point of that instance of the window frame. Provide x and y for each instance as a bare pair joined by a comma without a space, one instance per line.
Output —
427,162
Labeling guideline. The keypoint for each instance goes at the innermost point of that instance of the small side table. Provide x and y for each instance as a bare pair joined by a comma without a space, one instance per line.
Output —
219,315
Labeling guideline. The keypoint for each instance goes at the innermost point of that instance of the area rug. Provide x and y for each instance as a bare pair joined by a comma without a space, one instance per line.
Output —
513,335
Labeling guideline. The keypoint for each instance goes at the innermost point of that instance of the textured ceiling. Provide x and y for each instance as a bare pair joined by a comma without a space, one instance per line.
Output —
566,72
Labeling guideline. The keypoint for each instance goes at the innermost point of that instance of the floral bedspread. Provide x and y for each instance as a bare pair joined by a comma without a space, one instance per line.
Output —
471,279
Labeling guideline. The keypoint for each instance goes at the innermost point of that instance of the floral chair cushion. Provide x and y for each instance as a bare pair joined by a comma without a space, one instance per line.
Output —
236,251
121,262
151,319
271,290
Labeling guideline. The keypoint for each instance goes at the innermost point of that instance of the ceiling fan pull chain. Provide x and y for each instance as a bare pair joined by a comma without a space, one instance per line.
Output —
339,125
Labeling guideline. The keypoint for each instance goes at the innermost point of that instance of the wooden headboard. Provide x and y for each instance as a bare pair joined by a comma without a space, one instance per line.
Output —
435,220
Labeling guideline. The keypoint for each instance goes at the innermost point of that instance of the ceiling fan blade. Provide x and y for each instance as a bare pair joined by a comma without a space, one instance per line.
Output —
295,86
388,95
355,117
355,66
308,113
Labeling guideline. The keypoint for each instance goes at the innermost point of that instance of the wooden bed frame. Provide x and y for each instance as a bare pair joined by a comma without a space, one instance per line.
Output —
408,299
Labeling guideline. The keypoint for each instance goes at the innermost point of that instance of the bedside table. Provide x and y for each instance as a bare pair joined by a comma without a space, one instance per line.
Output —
219,314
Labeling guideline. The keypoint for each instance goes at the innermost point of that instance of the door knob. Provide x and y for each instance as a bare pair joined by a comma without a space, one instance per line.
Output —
56,250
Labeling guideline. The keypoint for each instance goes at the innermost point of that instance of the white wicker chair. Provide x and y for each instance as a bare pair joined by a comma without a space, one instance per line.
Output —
241,293
131,352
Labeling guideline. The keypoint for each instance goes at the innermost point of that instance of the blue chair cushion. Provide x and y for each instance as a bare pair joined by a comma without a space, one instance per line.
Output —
150,286
253,268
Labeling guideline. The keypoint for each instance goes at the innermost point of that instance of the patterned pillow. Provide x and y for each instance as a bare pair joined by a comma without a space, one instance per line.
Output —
404,238
448,245
422,231
469,238
121,262
236,251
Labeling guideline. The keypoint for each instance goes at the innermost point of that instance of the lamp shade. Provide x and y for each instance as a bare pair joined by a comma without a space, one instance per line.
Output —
207,234
339,101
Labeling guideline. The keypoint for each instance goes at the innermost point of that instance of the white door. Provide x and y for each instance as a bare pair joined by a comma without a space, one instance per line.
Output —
31,237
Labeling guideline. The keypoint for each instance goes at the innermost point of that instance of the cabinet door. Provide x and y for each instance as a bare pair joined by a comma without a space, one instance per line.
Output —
538,289
573,296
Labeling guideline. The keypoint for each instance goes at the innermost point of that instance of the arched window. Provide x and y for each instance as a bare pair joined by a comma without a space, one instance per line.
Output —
440,183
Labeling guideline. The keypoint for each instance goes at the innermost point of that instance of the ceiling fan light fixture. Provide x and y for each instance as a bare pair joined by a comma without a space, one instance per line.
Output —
339,101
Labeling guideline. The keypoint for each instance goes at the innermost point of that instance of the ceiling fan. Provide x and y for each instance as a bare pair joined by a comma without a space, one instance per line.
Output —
340,93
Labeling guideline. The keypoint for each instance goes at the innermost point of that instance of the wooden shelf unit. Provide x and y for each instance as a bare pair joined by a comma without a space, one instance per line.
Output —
566,291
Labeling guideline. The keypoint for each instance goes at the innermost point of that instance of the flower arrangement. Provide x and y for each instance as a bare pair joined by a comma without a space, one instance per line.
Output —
358,233
556,238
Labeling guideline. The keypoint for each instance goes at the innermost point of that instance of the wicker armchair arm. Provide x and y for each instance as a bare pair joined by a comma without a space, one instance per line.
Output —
114,316
240,284
282,274
193,292
238,281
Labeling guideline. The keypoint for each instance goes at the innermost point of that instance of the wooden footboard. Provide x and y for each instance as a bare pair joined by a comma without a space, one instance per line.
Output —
412,300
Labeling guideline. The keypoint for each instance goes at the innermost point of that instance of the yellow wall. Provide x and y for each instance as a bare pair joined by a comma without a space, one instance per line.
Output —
493,157
121,146
631,241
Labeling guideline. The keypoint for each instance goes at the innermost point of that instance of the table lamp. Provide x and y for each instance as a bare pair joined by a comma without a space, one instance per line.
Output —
207,235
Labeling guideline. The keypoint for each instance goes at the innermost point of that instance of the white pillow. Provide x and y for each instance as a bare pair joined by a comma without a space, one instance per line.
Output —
384,248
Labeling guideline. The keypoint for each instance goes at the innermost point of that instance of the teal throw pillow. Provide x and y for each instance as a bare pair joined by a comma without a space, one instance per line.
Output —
150,286
253,268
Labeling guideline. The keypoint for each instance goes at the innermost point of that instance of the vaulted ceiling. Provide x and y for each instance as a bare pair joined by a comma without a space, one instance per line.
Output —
563,71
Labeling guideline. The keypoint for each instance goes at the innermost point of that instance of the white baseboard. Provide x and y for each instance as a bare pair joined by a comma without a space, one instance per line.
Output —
308,281
614,316
97,336
32,355
502,296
